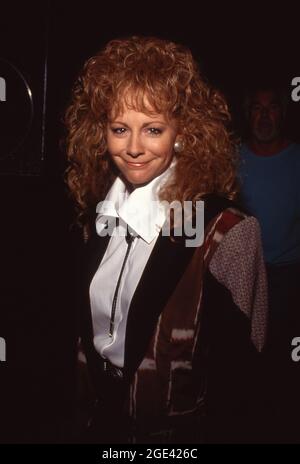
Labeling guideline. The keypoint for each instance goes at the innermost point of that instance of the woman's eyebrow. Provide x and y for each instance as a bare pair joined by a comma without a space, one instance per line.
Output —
157,121
143,125
118,122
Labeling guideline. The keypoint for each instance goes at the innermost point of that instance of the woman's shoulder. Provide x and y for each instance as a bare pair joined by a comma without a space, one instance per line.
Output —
230,228
237,263
216,206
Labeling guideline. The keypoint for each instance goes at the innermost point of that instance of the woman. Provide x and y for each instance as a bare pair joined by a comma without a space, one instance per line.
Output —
170,330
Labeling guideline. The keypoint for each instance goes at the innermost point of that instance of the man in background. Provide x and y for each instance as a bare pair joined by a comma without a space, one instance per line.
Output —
270,190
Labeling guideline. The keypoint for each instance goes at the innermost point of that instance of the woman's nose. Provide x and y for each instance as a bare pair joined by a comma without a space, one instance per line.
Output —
135,147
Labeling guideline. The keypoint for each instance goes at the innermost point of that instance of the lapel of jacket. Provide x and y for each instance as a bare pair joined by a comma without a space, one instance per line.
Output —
163,270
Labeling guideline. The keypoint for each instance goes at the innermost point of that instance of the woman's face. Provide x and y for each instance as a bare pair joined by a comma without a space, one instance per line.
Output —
141,145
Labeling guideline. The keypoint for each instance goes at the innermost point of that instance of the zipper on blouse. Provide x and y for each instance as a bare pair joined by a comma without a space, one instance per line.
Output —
129,239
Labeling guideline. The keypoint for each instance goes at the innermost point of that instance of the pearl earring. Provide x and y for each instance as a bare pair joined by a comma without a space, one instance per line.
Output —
178,146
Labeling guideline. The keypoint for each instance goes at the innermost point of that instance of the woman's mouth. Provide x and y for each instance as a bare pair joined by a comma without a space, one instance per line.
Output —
136,165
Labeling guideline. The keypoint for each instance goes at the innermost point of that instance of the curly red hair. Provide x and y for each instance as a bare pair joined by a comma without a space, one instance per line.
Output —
168,76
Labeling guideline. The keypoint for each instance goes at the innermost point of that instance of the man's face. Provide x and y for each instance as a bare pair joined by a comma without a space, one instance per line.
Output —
265,116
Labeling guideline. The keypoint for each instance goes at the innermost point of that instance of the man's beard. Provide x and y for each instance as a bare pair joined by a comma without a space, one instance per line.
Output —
265,131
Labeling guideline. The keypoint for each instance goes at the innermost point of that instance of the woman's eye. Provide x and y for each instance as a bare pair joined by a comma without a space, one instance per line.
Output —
154,131
118,130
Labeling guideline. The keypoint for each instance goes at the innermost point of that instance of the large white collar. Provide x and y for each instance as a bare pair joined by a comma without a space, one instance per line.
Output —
141,209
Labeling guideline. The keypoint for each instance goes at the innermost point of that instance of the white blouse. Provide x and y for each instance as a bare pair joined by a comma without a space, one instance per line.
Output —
145,215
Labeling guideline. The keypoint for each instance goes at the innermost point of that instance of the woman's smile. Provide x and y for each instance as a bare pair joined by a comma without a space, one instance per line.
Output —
135,164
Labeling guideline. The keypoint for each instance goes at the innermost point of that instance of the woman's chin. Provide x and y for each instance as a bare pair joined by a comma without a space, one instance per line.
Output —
138,181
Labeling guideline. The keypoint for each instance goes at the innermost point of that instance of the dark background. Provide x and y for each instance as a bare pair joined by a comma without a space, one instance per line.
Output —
234,48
